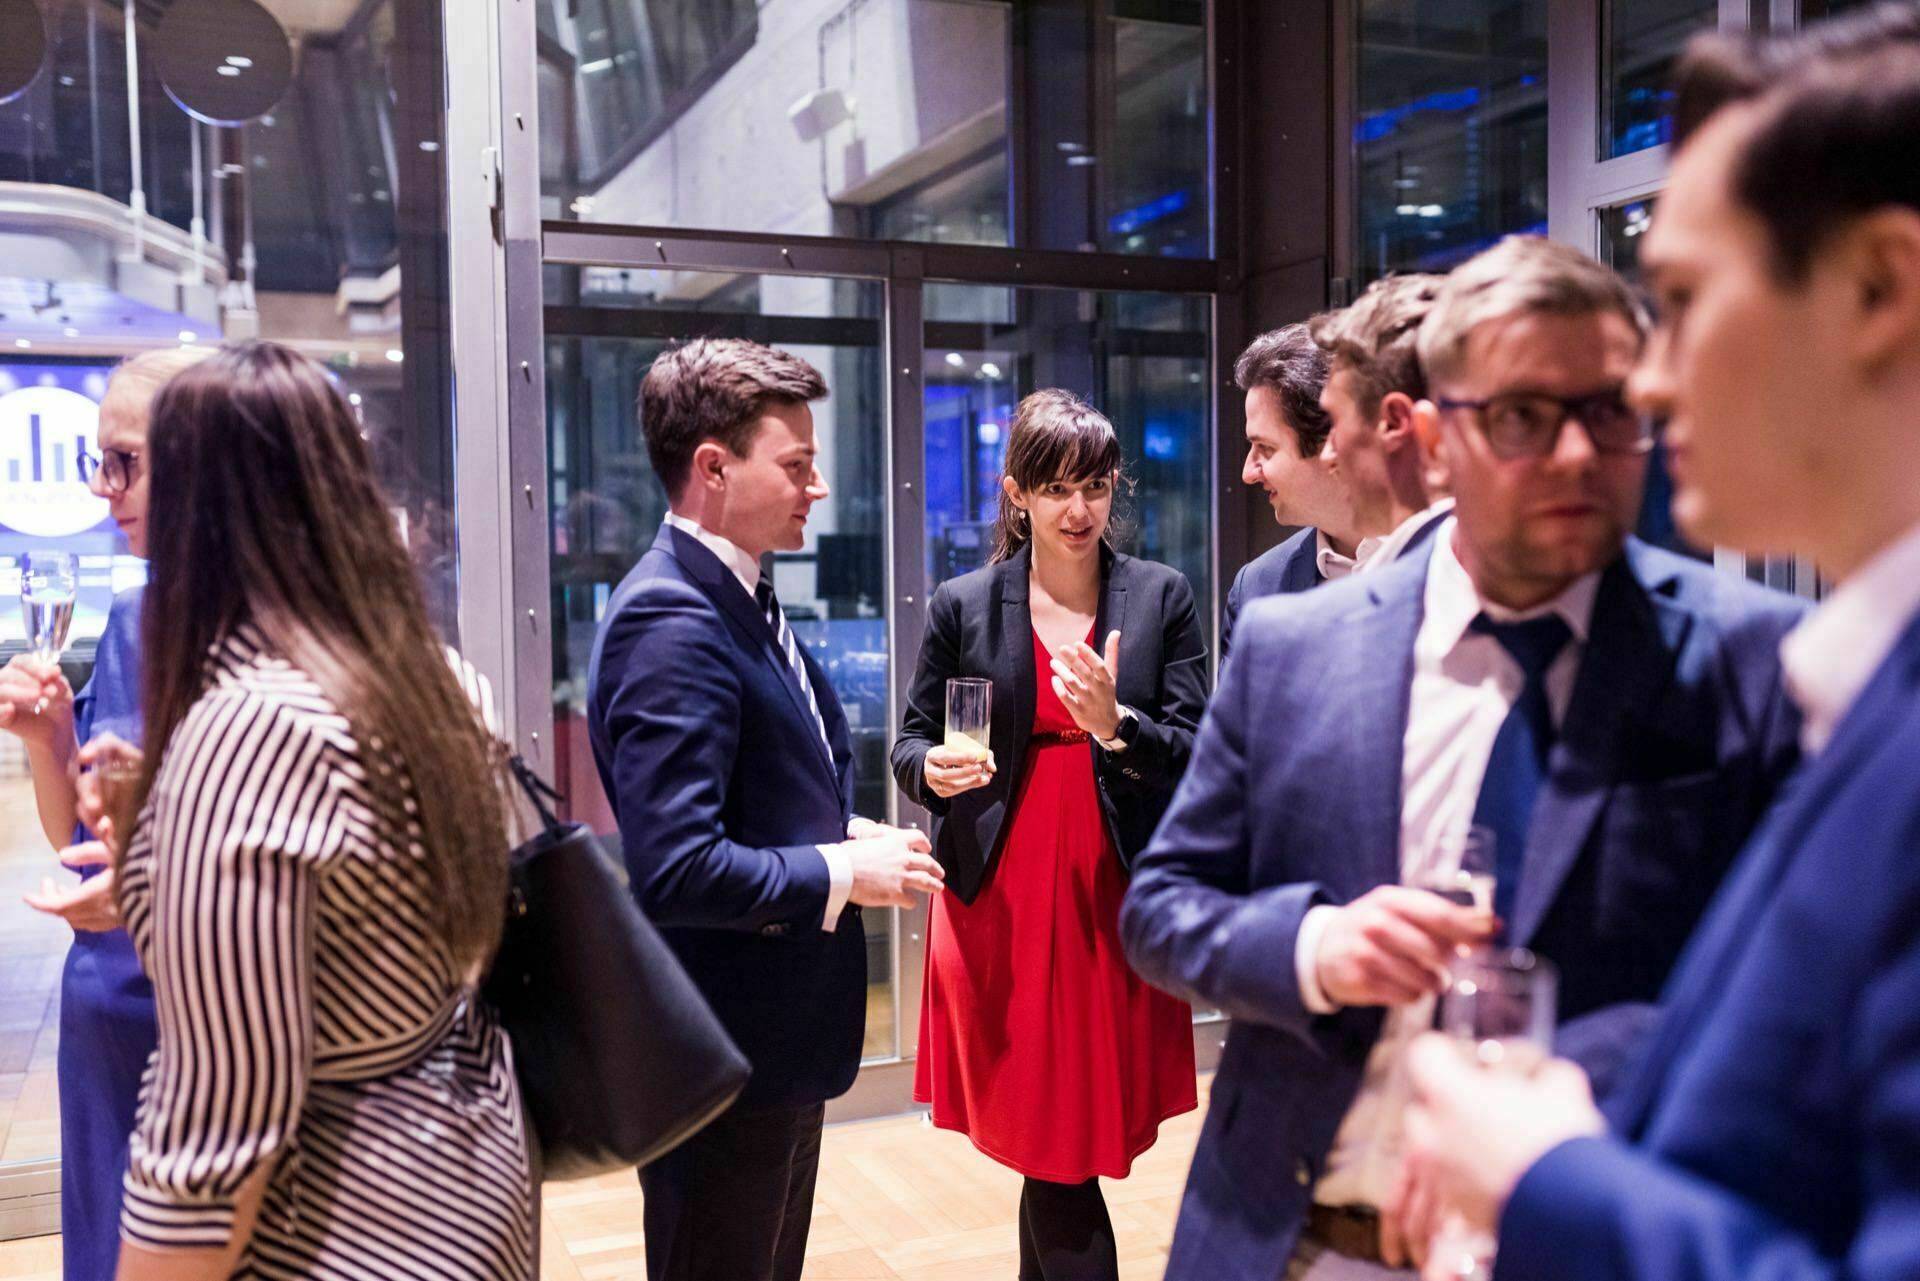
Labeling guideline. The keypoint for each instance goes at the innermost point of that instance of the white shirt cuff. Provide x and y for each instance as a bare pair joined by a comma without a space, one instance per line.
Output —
839,883
1306,959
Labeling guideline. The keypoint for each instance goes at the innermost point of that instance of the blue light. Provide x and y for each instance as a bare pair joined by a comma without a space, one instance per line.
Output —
1131,220
1160,441
1374,127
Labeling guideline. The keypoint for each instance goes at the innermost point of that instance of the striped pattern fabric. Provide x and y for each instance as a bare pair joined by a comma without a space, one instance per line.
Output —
311,1023
777,619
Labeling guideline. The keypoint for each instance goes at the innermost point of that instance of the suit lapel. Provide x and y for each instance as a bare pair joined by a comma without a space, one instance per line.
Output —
1111,614
1632,644
1379,677
726,592
1302,570
1013,657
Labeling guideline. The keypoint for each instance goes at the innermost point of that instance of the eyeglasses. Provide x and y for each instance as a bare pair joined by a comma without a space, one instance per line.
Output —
1527,425
114,465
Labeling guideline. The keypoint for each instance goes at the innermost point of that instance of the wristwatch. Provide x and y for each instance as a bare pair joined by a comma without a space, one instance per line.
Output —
1124,733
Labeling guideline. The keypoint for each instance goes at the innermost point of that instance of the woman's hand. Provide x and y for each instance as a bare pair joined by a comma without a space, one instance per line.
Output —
88,905
950,771
36,703
1084,683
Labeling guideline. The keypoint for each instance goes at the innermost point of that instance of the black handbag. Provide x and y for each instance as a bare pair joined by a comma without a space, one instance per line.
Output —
620,1060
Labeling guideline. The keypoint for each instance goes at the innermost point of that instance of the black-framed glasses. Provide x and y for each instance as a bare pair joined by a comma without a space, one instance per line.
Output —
115,467
1528,424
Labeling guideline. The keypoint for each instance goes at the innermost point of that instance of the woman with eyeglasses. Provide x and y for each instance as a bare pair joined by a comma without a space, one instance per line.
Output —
106,1003
318,874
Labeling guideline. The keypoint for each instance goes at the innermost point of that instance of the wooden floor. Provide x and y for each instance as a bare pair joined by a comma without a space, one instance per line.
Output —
897,1201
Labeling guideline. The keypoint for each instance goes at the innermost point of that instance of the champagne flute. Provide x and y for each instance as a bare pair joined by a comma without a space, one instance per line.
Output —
969,716
49,583
1500,1005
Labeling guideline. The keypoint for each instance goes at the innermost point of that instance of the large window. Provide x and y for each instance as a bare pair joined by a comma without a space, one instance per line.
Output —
318,218
1450,130
606,503
971,121
1640,40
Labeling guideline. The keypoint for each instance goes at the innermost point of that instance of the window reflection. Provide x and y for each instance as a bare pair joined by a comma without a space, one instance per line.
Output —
1450,130
1640,39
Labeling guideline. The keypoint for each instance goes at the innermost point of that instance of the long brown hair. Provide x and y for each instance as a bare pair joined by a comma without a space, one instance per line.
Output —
1055,436
265,511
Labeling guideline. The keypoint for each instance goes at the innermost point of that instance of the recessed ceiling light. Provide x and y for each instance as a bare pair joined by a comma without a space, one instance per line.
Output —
228,71
396,355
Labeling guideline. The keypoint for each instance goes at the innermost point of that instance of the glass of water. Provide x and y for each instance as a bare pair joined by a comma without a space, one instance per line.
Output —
969,715
1500,1004
49,582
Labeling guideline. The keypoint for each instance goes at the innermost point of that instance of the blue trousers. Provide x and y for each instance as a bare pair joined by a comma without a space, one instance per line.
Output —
107,1033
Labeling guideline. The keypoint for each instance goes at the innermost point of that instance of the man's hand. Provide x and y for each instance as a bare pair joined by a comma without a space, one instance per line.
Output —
36,703
1390,946
1473,1131
890,866
950,771
87,905
1083,680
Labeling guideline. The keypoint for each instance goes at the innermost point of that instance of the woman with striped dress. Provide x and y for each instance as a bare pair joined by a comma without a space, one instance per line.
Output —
318,874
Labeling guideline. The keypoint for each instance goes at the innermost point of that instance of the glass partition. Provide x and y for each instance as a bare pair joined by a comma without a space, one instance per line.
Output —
1640,39
606,503
315,216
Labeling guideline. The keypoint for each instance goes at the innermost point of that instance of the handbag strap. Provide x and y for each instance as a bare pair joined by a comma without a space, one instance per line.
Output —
540,793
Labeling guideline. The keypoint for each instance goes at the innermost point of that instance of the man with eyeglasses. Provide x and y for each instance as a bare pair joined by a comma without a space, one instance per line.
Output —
1607,717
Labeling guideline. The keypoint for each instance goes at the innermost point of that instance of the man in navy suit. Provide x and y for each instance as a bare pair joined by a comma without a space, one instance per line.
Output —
730,767
1606,714
1283,373
1772,1127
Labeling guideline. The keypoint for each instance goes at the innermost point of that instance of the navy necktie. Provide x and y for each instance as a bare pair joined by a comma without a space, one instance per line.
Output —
789,646
1518,763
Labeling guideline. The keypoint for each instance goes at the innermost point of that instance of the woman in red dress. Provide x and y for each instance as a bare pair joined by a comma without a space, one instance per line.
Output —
1036,1039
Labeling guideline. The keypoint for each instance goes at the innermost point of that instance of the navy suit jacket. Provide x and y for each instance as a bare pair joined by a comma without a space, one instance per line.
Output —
1772,1126
1293,566
723,790
1675,741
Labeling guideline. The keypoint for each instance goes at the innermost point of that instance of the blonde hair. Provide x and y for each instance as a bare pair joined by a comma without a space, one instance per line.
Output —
136,380
1520,275
1373,338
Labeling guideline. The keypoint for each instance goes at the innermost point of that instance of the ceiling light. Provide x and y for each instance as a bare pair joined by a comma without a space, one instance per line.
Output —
239,60
187,335
396,355
228,71
955,359
353,398
23,343
990,369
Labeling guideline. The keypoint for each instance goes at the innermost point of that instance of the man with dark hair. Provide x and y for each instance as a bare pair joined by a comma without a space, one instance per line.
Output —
1283,373
1771,1128
1373,382
728,759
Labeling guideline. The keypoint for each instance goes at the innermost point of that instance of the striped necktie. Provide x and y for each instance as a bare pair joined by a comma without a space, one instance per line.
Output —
777,619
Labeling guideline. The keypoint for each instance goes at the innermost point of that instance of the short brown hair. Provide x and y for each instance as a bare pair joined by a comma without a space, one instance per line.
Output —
716,389
1373,339
1520,275
1291,365
1837,128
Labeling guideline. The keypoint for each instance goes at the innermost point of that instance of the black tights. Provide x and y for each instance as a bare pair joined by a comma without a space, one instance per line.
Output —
1065,1234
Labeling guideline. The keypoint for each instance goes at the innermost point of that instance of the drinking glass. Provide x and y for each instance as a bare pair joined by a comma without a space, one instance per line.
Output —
1469,881
969,715
1500,1004
49,582
118,778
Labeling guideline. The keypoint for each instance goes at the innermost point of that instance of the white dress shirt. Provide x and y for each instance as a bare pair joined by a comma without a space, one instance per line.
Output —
1835,651
1464,684
746,569
1331,564
1387,550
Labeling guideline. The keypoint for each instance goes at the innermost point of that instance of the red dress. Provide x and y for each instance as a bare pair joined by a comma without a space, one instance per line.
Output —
1037,1041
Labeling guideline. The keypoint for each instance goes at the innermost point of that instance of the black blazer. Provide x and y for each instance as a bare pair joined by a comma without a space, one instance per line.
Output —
980,625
